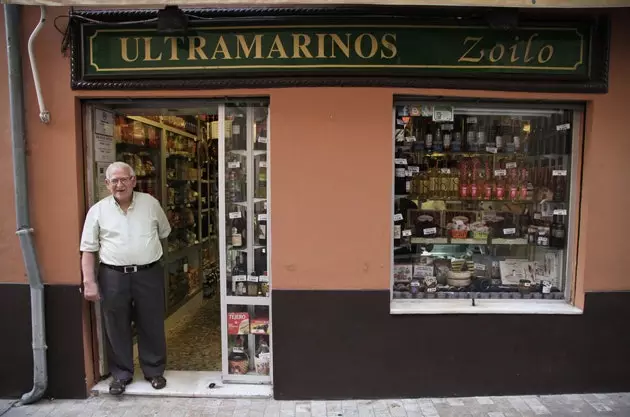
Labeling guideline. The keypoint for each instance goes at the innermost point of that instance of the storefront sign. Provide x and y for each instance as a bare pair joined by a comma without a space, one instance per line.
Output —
116,53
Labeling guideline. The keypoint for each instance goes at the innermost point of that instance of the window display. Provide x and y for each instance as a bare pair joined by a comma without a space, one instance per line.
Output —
482,202
243,143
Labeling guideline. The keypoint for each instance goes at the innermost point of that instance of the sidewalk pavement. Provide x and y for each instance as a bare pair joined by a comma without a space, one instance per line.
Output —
617,405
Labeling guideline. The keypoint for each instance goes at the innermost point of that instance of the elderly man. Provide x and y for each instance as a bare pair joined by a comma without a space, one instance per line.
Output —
125,229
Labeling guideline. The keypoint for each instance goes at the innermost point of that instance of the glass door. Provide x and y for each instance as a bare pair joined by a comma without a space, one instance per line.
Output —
242,130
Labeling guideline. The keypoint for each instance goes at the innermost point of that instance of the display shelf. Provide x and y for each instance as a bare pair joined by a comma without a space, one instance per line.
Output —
247,300
162,126
243,182
506,175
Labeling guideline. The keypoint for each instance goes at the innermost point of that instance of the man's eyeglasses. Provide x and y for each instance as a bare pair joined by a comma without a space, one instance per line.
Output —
121,181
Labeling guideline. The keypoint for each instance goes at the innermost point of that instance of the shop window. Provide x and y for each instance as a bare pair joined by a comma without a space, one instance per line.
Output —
484,201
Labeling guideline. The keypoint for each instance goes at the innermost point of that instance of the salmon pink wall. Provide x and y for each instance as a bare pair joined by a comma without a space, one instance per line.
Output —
330,175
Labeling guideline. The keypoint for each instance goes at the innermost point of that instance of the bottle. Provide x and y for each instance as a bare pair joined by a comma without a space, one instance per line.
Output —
456,145
438,143
252,284
239,133
262,228
263,357
471,134
428,142
558,233
238,360
260,138
238,233
487,186
447,141
481,137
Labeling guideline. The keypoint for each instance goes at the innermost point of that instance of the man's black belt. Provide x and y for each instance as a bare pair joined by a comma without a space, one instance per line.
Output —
129,269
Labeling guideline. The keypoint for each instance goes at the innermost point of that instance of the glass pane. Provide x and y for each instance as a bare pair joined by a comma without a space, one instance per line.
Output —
481,202
249,350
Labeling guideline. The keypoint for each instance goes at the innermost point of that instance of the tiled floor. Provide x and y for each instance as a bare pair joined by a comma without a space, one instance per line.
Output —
617,405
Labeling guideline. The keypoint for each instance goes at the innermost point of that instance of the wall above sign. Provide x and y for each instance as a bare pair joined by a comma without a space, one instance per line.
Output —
317,53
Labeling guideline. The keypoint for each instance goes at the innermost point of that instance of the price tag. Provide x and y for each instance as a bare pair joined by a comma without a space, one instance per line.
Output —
262,139
237,350
471,120
429,231
562,127
239,278
415,284
410,139
233,165
262,164
262,217
406,232
510,165
235,215
398,217
263,278
559,173
491,149
560,212
400,161
445,170
252,278
480,267
500,173
185,268
414,170
443,114
510,231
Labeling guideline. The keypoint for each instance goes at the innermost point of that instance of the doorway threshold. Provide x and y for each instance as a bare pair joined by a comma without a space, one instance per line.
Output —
190,384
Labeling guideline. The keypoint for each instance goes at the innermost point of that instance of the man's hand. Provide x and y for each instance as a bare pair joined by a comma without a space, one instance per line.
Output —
90,291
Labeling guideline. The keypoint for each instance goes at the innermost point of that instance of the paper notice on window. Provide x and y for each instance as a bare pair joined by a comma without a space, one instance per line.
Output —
101,187
103,122
104,148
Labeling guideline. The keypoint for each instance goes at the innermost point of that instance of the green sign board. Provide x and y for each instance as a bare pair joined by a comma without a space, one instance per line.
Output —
115,53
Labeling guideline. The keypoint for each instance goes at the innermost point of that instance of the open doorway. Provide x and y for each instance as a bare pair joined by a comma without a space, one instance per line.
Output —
174,148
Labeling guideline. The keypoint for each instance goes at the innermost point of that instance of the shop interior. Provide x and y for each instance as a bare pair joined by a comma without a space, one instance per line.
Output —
181,158
483,202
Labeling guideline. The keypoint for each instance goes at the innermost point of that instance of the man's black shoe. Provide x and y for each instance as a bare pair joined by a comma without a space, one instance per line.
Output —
157,382
117,386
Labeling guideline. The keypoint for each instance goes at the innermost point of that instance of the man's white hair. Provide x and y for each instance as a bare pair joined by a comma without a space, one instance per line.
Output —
119,165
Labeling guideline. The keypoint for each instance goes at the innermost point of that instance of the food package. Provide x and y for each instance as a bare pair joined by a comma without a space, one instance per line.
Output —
238,323
259,325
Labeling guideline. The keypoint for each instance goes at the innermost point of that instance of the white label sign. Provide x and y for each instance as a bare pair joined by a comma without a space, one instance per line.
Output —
400,161
406,232
559,173
560,212
445,170
480,267
262,164
398,217
510,165
262,139
414,170
410,139
491,149
239,278
235,215
263,278
233,165
262,217
252,278
500,173
104,148
103,122
510,231
443,114
429,231
565,126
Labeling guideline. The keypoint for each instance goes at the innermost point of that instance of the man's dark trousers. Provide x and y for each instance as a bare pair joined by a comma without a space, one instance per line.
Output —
138,295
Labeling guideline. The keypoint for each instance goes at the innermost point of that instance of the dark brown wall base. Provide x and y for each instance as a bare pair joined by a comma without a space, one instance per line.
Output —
345,344
66,369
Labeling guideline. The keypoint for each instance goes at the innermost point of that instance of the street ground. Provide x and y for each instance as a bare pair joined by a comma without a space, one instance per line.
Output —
617,405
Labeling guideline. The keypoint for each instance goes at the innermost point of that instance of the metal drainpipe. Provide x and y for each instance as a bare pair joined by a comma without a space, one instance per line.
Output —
12,20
